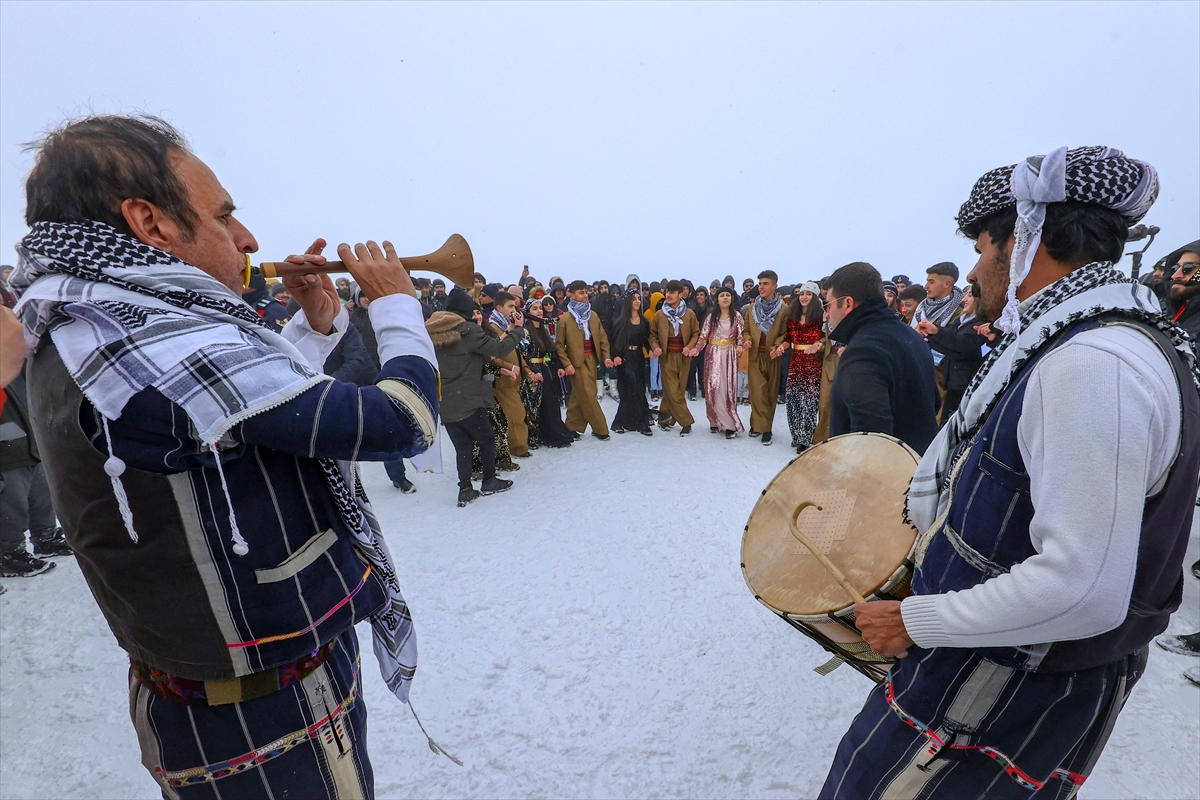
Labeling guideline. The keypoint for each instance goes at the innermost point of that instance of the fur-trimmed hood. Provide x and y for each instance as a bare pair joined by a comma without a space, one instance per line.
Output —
443,328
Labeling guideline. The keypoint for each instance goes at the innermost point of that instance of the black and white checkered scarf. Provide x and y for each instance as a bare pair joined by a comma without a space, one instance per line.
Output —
126,316
1085,293
939,312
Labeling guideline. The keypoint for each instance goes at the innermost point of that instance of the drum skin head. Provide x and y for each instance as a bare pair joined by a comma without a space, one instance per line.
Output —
860,481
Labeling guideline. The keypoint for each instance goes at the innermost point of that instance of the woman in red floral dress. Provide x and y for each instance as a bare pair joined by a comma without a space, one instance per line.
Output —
805,335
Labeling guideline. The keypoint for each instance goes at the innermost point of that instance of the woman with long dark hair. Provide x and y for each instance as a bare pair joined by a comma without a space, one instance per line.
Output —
723,339
701,305
631,338
541,390
805,337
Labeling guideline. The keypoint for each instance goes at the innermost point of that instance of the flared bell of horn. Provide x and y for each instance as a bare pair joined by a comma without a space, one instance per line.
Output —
453,261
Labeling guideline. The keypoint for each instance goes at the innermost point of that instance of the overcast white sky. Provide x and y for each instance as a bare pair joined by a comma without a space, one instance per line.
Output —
593,140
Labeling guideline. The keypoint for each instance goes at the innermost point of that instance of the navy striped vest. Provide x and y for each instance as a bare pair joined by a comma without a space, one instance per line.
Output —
986,530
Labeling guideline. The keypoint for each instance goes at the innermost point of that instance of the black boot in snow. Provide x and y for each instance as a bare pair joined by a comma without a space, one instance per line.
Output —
1187,645
495,485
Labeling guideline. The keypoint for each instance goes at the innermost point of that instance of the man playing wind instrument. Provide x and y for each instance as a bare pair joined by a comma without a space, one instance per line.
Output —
202,465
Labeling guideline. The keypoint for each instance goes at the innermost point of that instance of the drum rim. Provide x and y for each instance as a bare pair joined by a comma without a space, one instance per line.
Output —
891,582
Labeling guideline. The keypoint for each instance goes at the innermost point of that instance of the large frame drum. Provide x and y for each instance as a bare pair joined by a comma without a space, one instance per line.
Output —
845,496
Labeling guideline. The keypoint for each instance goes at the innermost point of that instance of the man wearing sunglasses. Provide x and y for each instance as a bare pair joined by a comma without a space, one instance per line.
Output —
1184,292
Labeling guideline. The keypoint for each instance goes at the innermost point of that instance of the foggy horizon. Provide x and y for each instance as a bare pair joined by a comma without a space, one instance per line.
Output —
596,140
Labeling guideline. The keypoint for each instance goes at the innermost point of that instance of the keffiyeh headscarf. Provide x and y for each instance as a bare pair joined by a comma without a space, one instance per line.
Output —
675,315
500,319
125,316
1101,175
939,312
765,311
1097,175
581,312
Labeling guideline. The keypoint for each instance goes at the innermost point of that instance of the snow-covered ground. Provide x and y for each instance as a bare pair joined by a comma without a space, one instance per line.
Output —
587,634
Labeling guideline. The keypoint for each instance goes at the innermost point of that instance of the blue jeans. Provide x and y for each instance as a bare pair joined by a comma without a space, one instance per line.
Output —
655,376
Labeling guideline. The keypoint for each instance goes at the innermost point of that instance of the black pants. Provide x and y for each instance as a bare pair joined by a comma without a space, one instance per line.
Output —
395,470
474,429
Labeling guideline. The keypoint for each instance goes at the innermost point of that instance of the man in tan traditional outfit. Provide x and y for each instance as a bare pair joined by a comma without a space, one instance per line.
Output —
506,389
673,334
582,344
767,329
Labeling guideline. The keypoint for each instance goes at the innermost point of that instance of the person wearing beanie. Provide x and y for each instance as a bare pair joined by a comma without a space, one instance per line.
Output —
463,350
270,310
902,282
805,337
1035,595
582,346
673,335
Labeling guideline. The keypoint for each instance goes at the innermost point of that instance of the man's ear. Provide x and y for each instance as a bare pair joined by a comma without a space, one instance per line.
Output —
150,225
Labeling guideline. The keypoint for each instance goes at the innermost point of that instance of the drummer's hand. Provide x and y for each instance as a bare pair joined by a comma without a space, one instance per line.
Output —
314,293
883,628
377,272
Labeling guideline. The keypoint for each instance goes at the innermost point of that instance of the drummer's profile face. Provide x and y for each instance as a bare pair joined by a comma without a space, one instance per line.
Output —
991,273
218,243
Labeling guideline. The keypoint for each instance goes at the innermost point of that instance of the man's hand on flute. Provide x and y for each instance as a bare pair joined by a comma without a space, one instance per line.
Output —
377,272
314,293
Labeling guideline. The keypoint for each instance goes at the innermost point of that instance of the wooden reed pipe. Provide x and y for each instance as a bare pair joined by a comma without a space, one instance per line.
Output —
453,260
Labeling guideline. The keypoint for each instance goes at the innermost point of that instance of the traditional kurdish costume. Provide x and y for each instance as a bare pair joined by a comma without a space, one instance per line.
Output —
766,328
543,399
234,559
1055,506
719,340
631,344
803,389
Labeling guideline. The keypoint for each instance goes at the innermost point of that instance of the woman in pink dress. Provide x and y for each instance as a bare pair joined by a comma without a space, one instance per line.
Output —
724,337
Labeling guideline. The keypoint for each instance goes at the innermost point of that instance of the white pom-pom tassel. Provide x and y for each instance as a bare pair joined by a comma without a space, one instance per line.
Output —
114,468
239,544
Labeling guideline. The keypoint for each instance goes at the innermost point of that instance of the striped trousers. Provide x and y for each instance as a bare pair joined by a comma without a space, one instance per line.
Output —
307,740
950,724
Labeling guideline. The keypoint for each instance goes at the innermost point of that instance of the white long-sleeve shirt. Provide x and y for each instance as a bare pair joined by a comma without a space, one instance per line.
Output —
1099,431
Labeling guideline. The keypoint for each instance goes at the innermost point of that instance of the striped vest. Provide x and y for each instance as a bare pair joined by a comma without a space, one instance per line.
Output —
986,529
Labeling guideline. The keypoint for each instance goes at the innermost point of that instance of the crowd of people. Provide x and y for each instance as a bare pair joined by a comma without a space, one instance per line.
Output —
194,442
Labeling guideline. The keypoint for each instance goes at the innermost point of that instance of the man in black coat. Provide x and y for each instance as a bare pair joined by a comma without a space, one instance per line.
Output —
605,307
884,381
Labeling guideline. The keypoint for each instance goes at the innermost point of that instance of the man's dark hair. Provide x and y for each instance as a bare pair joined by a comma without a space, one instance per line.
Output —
945,268
86,169
575,286
602,283
913,293
974,290
858,280
769,274
1074,233
478,276
673,286
501,298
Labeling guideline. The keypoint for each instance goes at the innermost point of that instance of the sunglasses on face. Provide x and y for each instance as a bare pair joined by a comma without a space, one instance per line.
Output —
1187,269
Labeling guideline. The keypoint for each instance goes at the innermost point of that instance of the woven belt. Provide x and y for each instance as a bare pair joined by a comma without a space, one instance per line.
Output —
187,692
634,347
536,360
722,342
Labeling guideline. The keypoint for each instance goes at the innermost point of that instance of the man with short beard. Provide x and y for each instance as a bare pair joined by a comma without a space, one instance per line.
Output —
1184,293
673,333
508,390
1036,592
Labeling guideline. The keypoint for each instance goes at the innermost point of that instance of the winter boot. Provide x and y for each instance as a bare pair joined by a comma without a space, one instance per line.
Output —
56,545
20,564
1188,645
466,496
405,485
495,485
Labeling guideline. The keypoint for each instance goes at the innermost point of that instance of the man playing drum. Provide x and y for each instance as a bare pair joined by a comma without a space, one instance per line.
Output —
1054,506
